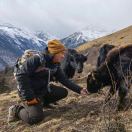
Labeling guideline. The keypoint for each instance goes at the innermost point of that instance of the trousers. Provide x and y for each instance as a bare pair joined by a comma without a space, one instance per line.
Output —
34,113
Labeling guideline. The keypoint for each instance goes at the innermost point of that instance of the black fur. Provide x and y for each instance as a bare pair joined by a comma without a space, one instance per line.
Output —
73,62
113,72
103,53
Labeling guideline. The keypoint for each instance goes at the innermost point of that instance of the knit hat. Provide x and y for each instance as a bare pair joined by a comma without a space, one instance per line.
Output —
55,46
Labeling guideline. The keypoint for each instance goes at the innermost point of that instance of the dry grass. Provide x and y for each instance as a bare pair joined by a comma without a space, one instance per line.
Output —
74,114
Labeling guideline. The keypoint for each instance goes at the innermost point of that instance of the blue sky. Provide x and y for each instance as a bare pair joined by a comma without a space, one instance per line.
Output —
63,17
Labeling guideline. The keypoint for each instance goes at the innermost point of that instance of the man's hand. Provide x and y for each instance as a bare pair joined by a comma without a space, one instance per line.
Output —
84,91
32,102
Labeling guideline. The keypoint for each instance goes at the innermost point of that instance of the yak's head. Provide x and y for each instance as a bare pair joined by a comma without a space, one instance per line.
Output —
80,59
76,60
93,83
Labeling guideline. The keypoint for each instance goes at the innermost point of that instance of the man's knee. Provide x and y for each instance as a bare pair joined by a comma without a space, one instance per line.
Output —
59,91
35,119
31,114
35,114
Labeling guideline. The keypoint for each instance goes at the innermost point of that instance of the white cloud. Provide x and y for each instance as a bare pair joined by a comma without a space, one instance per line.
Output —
63,17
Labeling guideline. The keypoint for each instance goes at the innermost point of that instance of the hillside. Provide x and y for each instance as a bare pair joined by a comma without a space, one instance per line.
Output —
75,113
121,37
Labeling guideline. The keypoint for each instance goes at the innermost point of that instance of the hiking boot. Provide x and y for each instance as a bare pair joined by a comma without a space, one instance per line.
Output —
12,114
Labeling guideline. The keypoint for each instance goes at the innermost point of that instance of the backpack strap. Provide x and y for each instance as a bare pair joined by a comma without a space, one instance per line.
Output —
42,58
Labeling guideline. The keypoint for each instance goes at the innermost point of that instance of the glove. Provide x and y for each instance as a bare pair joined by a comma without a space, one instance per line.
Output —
32,102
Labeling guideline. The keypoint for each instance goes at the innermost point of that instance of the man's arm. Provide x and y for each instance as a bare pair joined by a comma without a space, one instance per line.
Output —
60,76
24,87
23,77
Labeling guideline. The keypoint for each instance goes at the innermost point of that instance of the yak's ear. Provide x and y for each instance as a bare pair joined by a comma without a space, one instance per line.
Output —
83,58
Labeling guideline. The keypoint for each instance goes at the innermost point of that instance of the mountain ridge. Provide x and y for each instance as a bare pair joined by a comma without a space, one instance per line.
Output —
117,38
87,34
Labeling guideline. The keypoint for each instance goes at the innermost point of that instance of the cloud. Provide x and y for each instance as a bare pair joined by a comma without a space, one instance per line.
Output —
63,17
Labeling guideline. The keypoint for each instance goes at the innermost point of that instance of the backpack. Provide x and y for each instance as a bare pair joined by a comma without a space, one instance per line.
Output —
29,53
26,55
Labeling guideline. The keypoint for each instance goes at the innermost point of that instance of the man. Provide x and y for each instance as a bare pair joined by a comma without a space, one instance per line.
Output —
33,77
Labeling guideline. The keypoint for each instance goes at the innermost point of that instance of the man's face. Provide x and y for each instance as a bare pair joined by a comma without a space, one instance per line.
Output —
59,57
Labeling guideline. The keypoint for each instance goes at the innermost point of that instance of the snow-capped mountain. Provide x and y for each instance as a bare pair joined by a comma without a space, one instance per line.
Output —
87,34
14,41
44,36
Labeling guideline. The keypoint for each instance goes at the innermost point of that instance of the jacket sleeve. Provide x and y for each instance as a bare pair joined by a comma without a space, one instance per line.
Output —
24,87
23,77
60,76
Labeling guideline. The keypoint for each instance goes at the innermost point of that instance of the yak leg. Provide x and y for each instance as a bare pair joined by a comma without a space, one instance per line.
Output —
110,94
123,90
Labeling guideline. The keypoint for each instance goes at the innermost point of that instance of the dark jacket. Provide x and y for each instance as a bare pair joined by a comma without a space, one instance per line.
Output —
32,84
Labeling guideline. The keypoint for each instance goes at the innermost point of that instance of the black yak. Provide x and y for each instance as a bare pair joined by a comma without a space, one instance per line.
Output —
115,72
102,53
73,61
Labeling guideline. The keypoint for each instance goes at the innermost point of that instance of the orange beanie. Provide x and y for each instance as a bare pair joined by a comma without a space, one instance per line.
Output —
55,46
